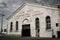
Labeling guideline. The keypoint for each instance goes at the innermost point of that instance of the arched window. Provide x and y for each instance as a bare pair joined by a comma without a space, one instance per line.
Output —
37,26
48,23
11,26
16,25
37,23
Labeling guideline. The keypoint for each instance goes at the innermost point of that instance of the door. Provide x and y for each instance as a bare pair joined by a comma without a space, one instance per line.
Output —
26,30
58,34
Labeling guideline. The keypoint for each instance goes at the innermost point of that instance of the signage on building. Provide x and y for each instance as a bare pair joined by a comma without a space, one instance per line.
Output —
29,13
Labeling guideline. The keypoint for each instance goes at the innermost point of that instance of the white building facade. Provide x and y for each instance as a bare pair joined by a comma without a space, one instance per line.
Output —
34,20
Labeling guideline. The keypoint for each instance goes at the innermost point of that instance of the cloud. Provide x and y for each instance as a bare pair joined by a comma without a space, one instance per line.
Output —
14,4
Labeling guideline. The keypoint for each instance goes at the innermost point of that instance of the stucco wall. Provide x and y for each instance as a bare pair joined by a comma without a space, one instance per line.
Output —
31,12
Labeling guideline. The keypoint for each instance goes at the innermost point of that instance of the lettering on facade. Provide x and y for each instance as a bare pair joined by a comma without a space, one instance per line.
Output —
29,13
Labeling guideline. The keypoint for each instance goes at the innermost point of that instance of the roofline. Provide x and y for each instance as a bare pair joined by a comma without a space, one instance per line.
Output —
25,3
18,9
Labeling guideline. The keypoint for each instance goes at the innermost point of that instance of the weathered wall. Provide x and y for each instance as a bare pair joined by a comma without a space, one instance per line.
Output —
31,12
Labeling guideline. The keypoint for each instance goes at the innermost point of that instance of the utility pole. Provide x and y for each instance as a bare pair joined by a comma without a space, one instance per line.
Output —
1,22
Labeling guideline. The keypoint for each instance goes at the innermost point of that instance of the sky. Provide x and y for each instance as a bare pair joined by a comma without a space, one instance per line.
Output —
11,5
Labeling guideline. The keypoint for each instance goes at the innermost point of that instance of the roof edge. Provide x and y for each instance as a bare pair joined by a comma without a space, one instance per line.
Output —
25,3
18,9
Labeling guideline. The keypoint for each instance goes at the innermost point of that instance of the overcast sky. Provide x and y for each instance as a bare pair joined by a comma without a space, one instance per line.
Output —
12,5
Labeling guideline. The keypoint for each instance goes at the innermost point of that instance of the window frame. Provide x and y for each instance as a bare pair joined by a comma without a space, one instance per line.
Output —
48,23
17,26
37,23
11,26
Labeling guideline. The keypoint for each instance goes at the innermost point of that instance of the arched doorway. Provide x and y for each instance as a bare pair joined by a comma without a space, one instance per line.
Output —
25,28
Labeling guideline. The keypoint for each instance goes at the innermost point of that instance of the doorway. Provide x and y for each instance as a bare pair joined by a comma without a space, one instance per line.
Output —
26,30
58,34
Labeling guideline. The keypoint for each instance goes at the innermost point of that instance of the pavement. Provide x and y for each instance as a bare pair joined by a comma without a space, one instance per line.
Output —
11,37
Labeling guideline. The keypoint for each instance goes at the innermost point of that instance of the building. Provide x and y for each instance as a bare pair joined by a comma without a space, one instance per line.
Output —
35,20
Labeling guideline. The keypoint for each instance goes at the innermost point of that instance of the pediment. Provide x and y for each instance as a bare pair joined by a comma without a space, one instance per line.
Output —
31,4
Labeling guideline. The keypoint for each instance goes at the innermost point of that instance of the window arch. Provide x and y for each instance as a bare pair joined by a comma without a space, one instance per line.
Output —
16,25
37,23
48,23
25,21
11,26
